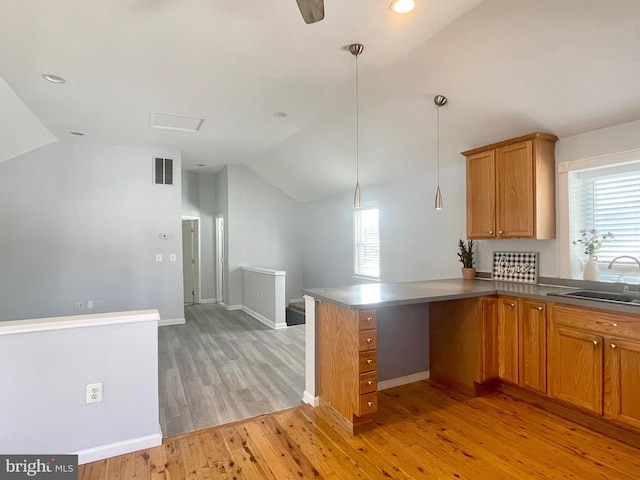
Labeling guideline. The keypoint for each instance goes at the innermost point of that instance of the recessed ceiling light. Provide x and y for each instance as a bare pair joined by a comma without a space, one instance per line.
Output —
200,165
53,78
280,114
79,134
402,6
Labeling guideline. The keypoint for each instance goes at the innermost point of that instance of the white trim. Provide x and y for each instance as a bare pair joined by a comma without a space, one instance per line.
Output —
171,321
263,319
265,271
199,265
77,321
208,300
231,307
296,300
310,399
310,391
396,382
599,161
119,448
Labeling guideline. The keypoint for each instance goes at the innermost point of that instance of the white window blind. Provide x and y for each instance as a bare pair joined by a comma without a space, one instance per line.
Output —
367,243
608,200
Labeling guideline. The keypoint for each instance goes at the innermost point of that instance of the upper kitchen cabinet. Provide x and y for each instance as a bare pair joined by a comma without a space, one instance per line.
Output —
511,188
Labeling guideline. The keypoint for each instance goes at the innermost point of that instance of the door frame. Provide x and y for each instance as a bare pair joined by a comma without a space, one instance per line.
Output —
198,280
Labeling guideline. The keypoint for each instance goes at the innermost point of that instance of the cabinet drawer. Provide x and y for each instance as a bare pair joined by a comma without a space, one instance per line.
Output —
597,321
367,319
367,340
368,403
368,382
367,361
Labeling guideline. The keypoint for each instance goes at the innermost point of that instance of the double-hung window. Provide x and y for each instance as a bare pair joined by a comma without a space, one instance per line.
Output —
366,243
607,199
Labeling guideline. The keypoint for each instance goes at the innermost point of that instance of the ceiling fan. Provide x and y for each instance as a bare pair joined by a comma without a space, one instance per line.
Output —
312,10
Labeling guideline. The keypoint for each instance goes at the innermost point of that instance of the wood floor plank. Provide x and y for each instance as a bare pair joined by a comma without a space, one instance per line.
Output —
421,431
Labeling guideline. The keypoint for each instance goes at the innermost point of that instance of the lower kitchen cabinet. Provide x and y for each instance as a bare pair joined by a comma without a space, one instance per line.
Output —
508,339
622,381
532,345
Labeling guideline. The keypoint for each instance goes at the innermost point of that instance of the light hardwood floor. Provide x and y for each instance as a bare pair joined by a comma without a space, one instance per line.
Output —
223,366
421,431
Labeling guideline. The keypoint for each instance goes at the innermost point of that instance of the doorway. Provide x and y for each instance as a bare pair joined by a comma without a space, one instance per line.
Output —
220,258
191,259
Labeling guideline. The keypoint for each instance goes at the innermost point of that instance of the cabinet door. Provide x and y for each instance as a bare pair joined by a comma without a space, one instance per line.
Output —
508,339
515,190
488,339
623,381
532,335
576,368
481,195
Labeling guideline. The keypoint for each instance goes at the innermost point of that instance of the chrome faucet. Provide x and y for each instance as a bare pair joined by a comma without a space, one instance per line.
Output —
625,289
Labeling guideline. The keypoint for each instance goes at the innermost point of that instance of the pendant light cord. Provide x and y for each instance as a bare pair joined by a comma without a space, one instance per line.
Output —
438,140
357,125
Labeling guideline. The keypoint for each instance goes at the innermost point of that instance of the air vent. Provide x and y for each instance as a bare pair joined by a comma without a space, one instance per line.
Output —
171,121
163,171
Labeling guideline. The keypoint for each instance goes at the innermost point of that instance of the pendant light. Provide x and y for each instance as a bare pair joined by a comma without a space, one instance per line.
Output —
356,49
439,100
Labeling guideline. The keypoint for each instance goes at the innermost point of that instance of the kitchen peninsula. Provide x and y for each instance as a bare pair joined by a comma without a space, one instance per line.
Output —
479,335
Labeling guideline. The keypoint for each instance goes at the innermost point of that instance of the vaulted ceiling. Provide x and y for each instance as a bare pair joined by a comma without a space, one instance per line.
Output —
507,67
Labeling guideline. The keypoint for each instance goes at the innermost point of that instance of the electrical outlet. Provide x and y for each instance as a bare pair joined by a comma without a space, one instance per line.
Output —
79,306
158,257
94,393
89,304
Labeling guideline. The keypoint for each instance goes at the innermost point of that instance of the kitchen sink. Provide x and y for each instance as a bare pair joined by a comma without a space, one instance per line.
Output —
599,296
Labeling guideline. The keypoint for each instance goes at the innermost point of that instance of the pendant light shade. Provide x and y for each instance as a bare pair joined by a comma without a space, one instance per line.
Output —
356,49
439,100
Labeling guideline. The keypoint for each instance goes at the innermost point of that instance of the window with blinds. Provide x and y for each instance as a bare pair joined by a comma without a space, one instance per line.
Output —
366,243
608,200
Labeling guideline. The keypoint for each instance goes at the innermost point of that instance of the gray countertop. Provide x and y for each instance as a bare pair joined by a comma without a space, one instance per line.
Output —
378,295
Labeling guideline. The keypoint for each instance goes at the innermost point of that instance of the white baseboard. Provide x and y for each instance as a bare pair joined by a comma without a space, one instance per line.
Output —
208,300
232,307
396,382
263,319
171,321
310,399
118,448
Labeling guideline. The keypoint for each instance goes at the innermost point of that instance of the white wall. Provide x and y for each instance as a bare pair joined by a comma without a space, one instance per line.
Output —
44,372
416,241
82,222
263,230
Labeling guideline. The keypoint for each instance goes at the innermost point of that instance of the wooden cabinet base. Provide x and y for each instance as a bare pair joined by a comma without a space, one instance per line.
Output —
596,422
354,427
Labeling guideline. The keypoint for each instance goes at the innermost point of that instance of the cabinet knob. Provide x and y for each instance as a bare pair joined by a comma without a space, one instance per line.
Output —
500,232
370,382
595,342
614,324
370,404
512,304
613,345
491,232
540,308
369,361
369,319
369,340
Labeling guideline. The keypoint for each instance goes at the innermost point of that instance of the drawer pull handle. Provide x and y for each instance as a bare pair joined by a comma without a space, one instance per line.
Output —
369,340
613,345
370,404
595,342
369,361
609,324
369,319
540,308
370,382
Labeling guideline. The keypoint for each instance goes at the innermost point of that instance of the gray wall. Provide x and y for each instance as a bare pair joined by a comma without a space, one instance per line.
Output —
263,231
82,222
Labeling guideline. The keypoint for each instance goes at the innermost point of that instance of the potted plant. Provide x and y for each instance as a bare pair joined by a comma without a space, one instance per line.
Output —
592,240
465,255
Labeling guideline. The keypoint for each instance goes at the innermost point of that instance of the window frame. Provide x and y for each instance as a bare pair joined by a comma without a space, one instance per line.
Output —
565,248
356,243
